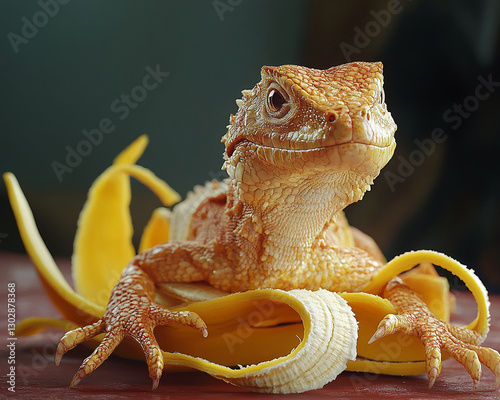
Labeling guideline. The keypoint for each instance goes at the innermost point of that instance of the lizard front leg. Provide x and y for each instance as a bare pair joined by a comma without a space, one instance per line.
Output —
132,312
414,318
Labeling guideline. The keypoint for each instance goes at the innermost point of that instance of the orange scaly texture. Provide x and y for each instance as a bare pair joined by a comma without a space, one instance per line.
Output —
304,144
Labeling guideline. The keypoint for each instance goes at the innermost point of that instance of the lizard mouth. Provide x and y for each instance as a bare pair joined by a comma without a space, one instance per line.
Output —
362,158
245,142
241,141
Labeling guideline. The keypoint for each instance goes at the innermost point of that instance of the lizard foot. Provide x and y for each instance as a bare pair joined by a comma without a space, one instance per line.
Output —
129,315
436,335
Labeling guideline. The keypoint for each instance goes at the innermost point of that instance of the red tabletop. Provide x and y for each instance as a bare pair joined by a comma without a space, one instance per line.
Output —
37,377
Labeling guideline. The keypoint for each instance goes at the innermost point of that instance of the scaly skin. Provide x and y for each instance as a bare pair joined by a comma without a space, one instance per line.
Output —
303,145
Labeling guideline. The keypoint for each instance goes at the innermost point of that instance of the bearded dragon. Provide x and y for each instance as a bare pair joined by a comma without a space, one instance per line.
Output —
304,144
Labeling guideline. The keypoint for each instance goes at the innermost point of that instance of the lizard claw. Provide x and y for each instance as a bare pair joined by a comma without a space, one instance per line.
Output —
437,335
389,324
73,338
432,374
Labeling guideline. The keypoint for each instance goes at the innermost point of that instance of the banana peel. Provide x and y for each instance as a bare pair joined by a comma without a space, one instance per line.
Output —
266,340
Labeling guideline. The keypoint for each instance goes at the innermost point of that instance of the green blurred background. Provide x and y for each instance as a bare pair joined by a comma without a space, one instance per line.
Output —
62,77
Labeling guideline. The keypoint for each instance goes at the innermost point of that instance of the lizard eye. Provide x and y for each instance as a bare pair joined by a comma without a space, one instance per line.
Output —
275,100
277,104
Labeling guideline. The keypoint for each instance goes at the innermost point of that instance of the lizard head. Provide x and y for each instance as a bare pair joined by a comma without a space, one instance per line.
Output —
303,123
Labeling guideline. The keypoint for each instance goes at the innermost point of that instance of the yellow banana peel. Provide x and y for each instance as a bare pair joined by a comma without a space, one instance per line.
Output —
265,340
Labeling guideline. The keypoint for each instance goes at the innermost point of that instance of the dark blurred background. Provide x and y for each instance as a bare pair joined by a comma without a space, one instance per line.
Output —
68,67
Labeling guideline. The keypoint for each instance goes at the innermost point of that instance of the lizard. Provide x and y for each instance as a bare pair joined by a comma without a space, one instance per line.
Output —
304,144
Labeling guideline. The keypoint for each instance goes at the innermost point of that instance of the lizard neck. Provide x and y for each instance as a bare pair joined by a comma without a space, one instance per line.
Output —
286,215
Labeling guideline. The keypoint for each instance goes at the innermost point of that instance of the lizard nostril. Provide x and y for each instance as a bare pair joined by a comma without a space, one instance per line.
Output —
331,117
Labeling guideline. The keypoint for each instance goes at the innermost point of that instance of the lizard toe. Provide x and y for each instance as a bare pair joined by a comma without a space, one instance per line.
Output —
490,358
163,317
465,356
73,338
100,354
436,337
432,364
473,367
141,329
143,333
154,360
464,335
393,323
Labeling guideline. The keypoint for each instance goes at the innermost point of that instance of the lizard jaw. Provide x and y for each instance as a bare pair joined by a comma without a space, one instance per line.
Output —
317,139
359,156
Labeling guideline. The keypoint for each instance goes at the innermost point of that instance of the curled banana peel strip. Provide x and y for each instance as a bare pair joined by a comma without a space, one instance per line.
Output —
265,340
